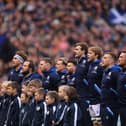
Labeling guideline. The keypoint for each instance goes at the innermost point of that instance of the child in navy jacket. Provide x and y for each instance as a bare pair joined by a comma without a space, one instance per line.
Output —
6,100
12,118
24,116
40,109
61,107
51,101
73,114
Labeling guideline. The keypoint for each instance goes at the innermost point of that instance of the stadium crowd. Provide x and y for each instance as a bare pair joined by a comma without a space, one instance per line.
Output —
53,26
48,74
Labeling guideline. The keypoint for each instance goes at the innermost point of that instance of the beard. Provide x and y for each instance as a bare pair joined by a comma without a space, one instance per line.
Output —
25,72
70,72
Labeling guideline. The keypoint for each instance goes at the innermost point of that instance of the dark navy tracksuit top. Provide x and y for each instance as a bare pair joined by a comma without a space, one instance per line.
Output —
80,75
122,88
109,86
51,79
94,77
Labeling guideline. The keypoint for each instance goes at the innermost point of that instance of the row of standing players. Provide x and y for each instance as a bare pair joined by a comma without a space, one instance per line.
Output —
97,77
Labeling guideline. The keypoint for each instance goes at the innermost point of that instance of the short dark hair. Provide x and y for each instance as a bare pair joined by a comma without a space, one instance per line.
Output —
72,61
114,57
83,46
47,60
31,65
123,51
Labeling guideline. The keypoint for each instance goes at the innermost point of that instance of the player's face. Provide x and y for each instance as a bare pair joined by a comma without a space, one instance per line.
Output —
59,65
15,62
122,59
37,96
106,60
78,51
42,65
9,90
61,93
70,67
91,56
25,67
23,98
49,100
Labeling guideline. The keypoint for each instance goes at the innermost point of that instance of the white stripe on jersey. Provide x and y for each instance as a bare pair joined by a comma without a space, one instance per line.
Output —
75,114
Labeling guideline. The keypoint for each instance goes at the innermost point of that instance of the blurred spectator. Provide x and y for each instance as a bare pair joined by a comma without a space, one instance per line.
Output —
7,50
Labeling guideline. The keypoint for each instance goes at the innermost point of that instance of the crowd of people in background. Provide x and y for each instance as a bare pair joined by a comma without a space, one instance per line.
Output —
50,28
48,74
88,89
